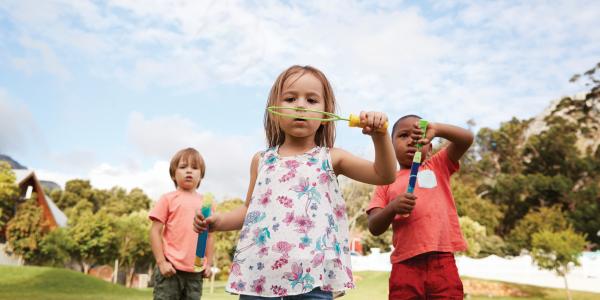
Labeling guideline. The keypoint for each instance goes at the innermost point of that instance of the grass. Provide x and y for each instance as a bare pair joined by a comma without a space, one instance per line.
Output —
37,283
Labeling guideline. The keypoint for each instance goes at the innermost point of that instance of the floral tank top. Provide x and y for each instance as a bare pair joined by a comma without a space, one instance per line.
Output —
295,235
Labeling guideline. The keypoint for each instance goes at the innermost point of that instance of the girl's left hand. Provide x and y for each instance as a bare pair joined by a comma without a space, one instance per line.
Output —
417,134
373,121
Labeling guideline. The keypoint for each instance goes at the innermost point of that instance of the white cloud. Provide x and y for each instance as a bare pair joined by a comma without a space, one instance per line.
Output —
481,59
227,157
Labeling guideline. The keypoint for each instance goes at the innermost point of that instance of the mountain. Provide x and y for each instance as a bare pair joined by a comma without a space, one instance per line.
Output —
582,109
13,163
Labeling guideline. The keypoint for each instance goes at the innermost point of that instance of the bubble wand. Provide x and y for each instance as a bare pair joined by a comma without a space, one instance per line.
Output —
201,258
416,163
353,120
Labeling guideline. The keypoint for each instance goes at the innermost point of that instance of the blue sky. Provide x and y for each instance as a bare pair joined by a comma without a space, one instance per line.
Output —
109,90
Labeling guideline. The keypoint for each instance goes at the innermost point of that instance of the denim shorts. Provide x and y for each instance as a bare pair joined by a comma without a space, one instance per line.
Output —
316,294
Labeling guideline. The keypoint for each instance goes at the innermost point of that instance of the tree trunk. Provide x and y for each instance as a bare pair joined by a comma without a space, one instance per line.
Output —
116,271
130,276
86,268
567,287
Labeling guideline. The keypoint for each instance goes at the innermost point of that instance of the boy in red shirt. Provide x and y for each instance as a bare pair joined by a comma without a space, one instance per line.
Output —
172,235
425,224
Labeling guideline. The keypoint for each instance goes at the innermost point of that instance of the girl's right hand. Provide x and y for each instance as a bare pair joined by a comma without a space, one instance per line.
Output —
373,122
201,224
166,269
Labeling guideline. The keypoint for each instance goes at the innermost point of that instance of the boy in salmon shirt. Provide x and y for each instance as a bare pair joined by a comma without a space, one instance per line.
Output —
425,224
172,235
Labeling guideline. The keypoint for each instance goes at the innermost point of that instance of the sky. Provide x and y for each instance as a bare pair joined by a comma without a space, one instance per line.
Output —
109,90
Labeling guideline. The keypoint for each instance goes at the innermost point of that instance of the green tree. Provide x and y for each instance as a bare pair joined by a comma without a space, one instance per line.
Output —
544,219
56,248
383,242
95,237
133,242
474,233
585,211
470,204
25,231
556,251
357,196
225,241
9,194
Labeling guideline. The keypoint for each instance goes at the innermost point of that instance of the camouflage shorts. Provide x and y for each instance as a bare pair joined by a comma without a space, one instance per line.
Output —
181,286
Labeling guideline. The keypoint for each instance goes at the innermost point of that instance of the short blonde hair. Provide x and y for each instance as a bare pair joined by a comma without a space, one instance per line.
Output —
187,154
325,135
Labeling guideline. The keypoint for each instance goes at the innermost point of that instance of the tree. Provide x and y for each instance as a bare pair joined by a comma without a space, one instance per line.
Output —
9,194
25,231
56,248
474,233
470,204
544,219
357,196
95,237
225,241
133,242
556,251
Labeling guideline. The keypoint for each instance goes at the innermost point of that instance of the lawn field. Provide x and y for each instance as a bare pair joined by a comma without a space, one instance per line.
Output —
41,283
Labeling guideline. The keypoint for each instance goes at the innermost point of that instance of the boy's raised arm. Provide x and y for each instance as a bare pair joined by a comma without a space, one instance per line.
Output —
460,138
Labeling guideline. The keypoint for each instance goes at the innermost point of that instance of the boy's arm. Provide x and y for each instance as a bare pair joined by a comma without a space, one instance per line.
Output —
380,172
460,138
381,218
165,267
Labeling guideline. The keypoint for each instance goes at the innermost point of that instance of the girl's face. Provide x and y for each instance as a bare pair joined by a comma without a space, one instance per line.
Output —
187,175
301,91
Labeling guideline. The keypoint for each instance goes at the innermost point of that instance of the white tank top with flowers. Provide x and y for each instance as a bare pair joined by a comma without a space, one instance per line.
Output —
295,235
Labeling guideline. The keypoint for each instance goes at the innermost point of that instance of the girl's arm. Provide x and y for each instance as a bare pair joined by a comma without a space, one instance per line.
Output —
460,138
165,267
383,170
234,219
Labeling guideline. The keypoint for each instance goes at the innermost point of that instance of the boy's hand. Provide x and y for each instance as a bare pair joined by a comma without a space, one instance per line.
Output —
166,269
404,204
202,224
417,134
373,121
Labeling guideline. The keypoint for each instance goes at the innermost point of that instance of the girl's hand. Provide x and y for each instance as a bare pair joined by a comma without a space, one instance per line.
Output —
373,121
211,223
166,269
417,134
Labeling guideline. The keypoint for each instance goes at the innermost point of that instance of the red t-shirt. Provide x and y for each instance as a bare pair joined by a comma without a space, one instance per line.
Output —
176,210
433,224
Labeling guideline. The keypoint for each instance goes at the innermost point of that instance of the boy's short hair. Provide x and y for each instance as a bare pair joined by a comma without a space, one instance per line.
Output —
402,118
187,153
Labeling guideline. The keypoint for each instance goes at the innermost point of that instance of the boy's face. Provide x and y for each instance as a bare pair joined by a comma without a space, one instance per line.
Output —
404,146
187,175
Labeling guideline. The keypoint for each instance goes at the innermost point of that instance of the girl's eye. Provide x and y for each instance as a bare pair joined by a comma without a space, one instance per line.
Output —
312,101
289,99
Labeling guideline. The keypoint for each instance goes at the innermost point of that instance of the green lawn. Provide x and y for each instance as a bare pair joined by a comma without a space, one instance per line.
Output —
39,283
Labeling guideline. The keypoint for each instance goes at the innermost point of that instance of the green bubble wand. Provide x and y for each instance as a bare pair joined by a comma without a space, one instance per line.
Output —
353,120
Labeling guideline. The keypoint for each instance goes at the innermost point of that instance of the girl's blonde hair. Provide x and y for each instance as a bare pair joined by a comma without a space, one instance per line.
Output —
325,135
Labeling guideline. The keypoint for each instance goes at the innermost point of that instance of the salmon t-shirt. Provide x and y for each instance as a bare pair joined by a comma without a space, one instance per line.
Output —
433,224
176,211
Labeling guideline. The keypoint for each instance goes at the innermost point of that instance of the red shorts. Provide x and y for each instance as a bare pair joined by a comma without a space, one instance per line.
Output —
430,275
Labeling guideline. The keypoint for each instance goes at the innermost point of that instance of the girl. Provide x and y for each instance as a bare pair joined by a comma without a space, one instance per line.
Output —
294,239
